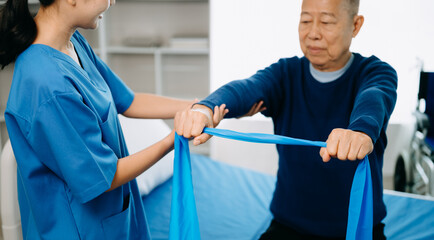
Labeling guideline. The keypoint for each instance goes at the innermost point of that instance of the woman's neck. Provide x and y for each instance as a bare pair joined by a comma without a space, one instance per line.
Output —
53,30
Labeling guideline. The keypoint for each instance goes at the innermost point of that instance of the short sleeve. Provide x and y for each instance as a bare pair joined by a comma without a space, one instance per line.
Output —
66,137
122,94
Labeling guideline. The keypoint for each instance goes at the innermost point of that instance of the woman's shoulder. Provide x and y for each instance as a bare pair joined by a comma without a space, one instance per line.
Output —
38,66
37,79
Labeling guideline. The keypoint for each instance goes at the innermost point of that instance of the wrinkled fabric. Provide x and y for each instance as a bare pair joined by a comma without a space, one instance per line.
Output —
362,99
62,119
360,211
184,222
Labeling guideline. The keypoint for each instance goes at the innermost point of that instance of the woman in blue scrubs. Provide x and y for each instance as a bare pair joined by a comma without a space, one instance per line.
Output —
75,178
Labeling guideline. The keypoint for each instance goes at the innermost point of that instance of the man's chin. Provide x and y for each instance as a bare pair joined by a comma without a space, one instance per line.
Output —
317,61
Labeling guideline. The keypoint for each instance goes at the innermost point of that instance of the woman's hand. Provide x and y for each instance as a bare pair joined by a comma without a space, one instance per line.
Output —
346,144
191,122
257,107
219,114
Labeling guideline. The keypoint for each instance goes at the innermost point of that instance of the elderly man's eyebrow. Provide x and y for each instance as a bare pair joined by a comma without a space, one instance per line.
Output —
328,14
322,13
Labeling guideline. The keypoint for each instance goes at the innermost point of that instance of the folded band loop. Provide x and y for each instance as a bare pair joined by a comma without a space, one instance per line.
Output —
184,222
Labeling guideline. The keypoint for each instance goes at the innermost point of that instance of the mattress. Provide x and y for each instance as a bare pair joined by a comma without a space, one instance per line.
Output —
233,203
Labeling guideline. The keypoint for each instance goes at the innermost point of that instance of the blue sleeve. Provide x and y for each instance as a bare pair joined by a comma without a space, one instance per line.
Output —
375,100
239,96
122,94
66,137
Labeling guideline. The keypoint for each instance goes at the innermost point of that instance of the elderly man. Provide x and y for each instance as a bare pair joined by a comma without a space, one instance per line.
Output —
329,94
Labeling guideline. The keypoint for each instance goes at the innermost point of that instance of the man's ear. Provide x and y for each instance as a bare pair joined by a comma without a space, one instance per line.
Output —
357,23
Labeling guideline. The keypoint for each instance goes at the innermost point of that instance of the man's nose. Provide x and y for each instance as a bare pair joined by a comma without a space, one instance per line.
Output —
314,31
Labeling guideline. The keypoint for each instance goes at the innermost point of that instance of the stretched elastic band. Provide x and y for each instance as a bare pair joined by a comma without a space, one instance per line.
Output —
184,222
262,138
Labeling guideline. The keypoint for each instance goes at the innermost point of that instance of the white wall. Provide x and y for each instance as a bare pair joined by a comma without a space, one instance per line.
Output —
247,35
399,32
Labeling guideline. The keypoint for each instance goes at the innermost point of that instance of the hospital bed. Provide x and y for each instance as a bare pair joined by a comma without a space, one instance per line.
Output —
232,202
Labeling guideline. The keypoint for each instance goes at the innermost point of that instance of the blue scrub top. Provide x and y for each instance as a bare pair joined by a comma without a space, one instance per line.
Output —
63,125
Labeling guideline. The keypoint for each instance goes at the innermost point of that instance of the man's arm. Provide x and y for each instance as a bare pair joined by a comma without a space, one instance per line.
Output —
373,106
240,97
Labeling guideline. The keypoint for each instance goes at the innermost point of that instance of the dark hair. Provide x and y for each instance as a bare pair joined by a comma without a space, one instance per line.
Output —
17,29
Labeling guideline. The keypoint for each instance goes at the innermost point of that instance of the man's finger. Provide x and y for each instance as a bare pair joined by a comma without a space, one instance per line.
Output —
364,150
353,152
332,147
325,155
343,147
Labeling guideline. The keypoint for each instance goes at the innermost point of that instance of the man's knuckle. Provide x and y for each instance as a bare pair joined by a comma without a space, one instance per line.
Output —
342,155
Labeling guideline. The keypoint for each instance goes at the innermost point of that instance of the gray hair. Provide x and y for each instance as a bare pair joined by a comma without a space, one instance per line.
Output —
353,6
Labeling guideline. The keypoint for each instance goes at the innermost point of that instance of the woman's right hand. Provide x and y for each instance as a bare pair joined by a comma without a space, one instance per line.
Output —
190,122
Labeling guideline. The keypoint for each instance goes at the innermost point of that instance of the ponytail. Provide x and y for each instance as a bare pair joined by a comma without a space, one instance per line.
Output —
17,29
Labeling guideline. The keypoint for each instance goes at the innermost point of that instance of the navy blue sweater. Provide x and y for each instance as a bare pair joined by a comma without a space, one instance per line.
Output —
312,196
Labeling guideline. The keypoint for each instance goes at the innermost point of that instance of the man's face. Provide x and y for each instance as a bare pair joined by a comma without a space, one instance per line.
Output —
325,31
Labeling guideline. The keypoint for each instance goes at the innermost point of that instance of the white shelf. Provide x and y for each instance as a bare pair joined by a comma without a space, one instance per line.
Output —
186,51
107,51
164,50
181,68
30,1
157,53
130,50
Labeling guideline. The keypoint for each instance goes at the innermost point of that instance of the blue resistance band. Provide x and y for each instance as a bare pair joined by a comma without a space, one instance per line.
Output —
184,223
